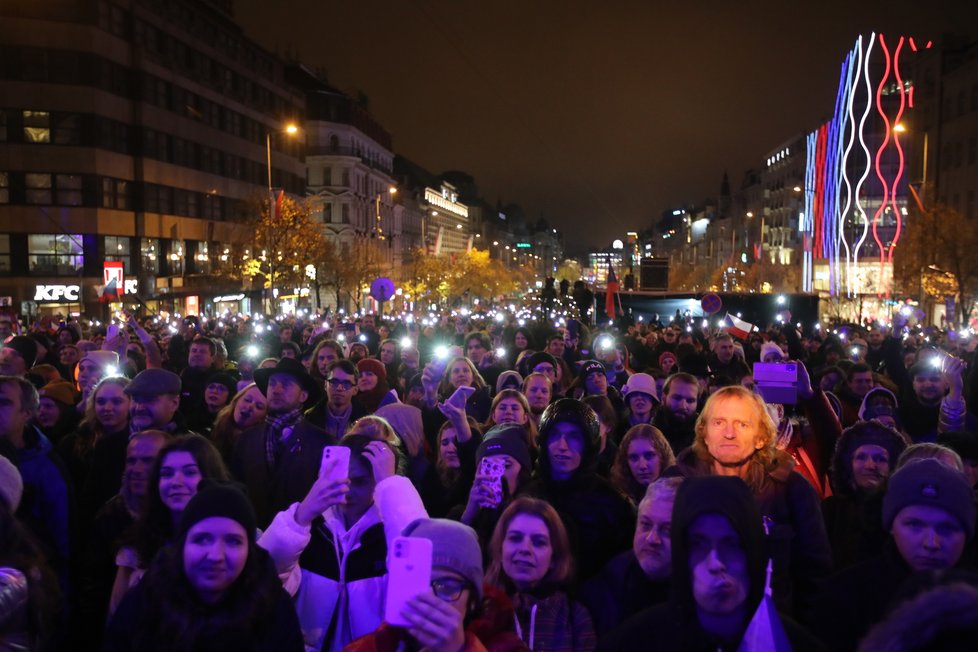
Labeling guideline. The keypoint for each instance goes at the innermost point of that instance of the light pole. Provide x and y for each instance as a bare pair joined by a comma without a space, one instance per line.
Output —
290,129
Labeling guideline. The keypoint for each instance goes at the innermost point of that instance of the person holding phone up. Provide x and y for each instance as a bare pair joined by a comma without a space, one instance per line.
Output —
330,548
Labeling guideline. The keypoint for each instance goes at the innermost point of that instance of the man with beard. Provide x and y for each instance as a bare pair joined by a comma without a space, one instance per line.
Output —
538,390
279,460
676,418
638,578
154,401
936,403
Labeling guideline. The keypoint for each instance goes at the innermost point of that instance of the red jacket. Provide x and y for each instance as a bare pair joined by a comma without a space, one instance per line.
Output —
491,632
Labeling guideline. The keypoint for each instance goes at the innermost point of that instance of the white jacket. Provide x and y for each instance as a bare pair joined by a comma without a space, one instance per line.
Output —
340,574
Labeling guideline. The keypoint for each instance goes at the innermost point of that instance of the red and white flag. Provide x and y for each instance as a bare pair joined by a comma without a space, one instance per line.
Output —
737,327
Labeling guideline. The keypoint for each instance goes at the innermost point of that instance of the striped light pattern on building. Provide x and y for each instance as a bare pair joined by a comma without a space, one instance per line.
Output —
855,189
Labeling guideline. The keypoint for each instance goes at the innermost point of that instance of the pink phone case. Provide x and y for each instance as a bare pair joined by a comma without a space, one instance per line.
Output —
491,470
408,575
335,463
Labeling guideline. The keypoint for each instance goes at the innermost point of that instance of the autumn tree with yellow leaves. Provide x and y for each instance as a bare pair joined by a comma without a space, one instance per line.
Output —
937,256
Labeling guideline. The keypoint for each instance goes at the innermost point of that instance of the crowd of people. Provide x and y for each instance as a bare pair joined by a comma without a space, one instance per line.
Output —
163,485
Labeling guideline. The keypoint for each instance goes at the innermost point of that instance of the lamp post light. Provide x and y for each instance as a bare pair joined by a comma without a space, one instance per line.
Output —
290,129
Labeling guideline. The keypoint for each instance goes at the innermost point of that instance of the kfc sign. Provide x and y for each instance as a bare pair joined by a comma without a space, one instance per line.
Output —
56,293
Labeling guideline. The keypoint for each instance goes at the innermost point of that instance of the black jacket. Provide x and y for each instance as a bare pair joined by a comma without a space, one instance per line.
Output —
619,592
273,489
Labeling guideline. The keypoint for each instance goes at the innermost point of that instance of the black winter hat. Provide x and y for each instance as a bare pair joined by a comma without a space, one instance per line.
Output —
223,499
506,439
571,410
730,497
26,347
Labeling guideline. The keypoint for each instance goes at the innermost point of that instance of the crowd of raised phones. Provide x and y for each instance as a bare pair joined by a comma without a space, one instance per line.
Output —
163,486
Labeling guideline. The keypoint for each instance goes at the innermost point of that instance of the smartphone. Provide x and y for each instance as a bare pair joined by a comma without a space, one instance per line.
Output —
777,382
461,396
491,470
408,575
336,463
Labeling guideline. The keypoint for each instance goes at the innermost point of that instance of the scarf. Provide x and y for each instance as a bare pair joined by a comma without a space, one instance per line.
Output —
278,428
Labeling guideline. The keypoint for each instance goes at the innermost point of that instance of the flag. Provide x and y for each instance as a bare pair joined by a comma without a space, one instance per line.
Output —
278,204
612,290
109,292
765,633
737,327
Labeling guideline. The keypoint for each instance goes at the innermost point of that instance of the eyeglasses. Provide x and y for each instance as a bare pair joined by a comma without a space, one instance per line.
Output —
449,589
336,383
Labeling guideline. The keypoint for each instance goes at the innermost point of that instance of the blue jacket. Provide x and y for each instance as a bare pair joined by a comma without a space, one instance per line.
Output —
45,505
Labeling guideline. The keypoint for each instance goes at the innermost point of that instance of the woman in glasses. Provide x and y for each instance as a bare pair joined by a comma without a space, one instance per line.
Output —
532,562
460,612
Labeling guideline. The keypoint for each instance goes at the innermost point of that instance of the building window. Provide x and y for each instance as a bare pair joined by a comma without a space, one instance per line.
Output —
38,188
328,212
37,127
68,190
4,187
3,126
55,254
4,254
66,129
346,213
176,258
117,249
115,193
202,260
149,256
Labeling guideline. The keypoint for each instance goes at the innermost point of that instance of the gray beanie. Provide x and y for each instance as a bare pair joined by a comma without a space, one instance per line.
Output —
930,483
11,484
455,547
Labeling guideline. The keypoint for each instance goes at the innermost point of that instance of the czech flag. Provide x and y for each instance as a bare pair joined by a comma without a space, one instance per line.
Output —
610,294
737,327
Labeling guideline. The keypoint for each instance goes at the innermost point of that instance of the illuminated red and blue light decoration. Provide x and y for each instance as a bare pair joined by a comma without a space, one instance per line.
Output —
854,174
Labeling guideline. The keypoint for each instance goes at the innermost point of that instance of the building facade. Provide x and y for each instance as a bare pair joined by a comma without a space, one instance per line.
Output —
136,133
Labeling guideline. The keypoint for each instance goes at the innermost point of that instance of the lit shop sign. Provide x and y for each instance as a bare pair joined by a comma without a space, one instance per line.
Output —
228,297
130,286
56,293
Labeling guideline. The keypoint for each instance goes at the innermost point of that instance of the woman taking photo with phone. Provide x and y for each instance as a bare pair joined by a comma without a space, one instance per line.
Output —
212,590
330,550
531,560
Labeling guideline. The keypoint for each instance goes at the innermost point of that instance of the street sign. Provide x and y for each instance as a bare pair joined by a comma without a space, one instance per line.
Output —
382,289
711,303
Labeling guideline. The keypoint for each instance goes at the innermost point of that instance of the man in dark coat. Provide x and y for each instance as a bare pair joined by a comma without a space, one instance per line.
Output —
638,578
279,460
718,578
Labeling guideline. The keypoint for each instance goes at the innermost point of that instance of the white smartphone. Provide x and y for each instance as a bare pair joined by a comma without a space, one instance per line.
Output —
336,463
408,575
461,396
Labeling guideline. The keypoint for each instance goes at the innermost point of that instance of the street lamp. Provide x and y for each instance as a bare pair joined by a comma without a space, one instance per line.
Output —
291,129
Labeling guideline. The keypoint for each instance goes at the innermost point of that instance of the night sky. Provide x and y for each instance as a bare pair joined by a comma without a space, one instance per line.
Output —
595,115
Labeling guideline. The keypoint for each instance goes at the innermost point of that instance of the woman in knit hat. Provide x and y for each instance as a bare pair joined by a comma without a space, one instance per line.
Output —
56,414
214,589
372,385
865,456
459,612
